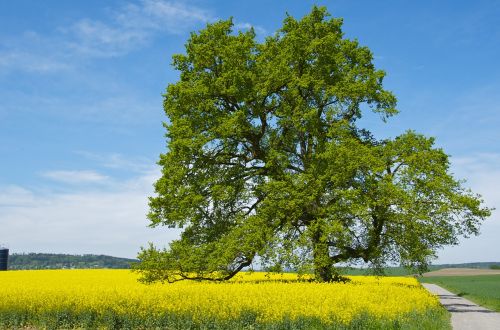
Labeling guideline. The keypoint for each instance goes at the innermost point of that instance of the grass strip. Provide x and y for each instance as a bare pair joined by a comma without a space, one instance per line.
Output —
481,289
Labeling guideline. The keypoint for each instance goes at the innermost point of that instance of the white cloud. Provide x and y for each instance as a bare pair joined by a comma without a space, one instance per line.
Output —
113,108
128,27
96,39
109,105
14,196
30,62
32,53
119,161
111,222
483,176
246,26
132,26
173,13
76,177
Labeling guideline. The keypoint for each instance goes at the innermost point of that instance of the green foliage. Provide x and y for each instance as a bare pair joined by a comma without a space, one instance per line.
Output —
482,289
265,161
59,261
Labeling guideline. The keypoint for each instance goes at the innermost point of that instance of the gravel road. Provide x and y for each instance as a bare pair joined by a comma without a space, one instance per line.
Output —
464,313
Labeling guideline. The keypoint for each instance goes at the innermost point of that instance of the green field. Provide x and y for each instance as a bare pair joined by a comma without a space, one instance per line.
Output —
482,289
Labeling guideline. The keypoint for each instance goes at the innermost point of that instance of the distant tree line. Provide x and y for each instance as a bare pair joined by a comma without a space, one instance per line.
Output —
66,261
483,265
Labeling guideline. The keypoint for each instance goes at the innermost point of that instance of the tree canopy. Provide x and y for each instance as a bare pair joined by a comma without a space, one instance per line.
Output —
266,162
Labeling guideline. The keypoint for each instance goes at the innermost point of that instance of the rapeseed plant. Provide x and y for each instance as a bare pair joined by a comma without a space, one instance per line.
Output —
113,298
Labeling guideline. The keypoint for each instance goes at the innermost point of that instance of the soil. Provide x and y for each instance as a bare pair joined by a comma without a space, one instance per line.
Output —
462,272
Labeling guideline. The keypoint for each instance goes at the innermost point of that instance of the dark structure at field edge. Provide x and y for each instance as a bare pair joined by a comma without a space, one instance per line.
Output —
4,259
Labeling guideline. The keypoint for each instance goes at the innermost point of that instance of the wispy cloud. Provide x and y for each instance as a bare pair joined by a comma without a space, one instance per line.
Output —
483,176
471,124
108,104
169,15
114,107
103,222
15,196
114,221
33,53
76,177
96,39
30,62
246,26
128,27
132,26
119,161
482,173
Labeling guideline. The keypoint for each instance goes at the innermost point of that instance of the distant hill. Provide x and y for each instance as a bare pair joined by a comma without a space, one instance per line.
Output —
66,261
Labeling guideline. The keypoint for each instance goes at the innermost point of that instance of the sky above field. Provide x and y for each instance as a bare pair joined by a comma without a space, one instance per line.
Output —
81,112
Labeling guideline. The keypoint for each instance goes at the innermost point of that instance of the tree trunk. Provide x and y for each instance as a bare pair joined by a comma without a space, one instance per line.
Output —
323,266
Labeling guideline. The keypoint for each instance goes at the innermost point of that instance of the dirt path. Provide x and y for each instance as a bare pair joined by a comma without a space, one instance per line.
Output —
464,313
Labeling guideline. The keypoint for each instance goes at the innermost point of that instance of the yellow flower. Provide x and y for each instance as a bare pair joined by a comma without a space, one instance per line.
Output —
271,297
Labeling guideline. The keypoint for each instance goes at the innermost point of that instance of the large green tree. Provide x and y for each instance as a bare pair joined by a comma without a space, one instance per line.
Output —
266,161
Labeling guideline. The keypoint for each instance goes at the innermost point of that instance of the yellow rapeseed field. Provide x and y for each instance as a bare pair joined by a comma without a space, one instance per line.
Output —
270,297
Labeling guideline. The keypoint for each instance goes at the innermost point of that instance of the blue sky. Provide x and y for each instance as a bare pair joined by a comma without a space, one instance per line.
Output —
81,113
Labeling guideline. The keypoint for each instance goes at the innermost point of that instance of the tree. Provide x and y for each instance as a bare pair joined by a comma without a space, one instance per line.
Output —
266,162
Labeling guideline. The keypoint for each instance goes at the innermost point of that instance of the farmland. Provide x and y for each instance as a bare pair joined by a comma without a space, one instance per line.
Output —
482,289
115,299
